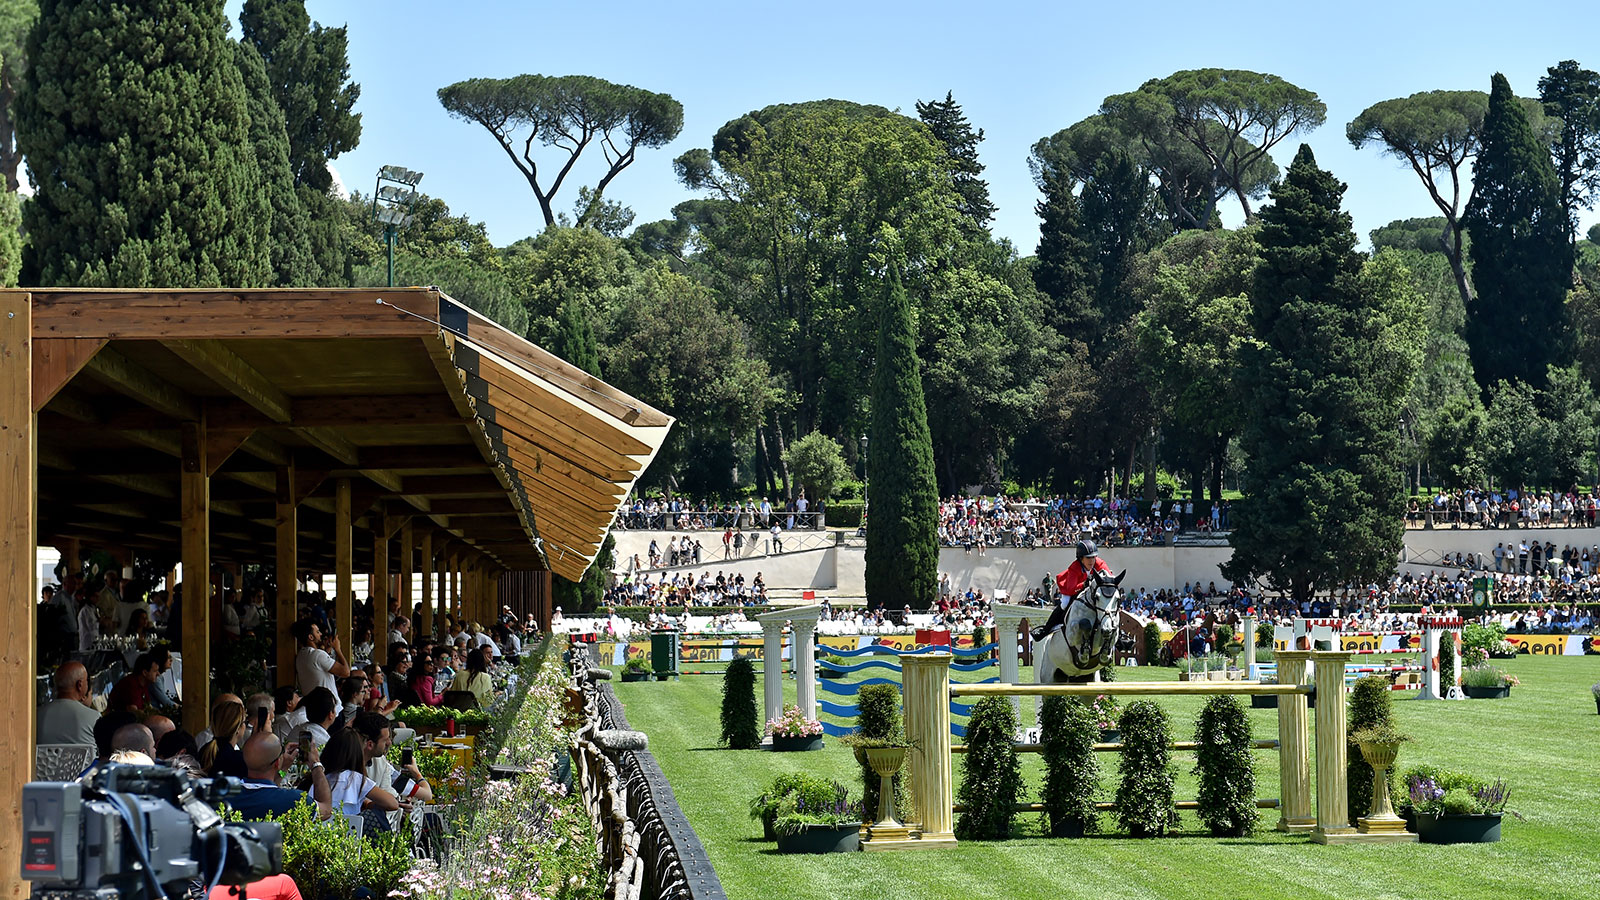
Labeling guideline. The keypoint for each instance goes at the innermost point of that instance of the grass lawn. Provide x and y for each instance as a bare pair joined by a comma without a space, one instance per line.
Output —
1544,740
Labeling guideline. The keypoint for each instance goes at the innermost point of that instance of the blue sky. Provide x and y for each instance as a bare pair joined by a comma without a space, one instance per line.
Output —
1021,71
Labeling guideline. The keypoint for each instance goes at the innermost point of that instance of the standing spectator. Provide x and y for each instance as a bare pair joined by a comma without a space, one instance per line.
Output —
314,666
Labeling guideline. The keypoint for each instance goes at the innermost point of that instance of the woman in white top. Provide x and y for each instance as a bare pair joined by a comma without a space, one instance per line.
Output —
345,767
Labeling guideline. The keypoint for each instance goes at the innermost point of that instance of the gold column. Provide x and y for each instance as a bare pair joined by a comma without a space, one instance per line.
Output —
1294,764
1333,806
927,697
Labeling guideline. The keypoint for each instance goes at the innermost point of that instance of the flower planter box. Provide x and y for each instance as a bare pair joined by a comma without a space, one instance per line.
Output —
1597,705
822,839
1487,693
635,676
1270,701
828,673
1110,736
785,744
1458,829
1072,828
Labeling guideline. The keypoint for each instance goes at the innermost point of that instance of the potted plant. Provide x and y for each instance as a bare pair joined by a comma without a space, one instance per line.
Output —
1451,808
834,659
1595,689
636,669
1380,746
1105,711
817,818
1486,682
792,731
764,806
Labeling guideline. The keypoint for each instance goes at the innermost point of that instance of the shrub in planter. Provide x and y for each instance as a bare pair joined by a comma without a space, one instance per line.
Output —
741,725
1227,773
1447,661
1452,807
1152,643
825,672
1265,636
844,513
878,720
991,775
817,818
980,636
1067,733
1486,681
1145,805
636,669
1490,639
1370,707
1595,689
793,731
764,806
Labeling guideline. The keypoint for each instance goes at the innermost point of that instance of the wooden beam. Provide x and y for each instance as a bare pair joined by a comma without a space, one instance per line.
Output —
379,582
224,314
452,486
427,581
546,448
137,383
344,575
287,575
332,443
18,544
424,457
196,510
472,507
220,445
233,375
56,361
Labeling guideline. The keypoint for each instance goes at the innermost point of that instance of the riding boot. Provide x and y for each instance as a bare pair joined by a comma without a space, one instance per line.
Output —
1056,617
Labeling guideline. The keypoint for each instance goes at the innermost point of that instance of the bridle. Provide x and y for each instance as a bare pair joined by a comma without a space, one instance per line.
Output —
1095,590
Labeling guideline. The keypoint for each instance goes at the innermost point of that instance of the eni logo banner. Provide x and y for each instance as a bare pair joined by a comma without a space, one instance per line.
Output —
1551,644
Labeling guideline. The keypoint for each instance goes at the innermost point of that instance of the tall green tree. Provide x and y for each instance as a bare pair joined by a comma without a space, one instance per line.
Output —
1517,326
949,124
290,245
575,338
10,238
1066,269
902,559
308,66
135,124
576,345
16,20
1323,498
1572,95
569,113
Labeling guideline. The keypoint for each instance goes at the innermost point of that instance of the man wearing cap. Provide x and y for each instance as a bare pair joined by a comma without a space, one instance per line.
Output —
1070,583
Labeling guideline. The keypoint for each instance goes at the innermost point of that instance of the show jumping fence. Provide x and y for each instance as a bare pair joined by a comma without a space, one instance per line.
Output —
985,661
929,691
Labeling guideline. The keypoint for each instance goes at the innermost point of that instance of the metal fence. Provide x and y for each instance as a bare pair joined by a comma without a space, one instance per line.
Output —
672,863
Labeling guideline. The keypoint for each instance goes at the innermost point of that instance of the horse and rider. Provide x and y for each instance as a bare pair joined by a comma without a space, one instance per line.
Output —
1080,636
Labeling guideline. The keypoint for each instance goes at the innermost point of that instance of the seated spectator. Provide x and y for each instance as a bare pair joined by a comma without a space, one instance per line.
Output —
352,790
352,696
398,681
133,691
160,727
406,785
262,793
133,738
177,749
68,719
108,725
221,755
253,709
321,710
422,683
478,680
292,716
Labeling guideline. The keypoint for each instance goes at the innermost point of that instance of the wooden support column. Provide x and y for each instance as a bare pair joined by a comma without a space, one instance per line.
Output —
18,480
196,508
455,585
380,594
287,522
343,565
427,581
408,544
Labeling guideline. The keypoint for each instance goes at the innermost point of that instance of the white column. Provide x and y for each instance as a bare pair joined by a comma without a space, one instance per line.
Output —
1008,617
772,668
1248,624
1430,662
805,666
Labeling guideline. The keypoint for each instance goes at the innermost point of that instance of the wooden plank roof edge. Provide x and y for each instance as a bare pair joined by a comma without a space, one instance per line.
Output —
233,313
523,353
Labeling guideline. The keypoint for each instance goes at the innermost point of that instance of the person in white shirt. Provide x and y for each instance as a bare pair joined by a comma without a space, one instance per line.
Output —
321,708
315,667
88,627
69,719
405,783
351,789
287,698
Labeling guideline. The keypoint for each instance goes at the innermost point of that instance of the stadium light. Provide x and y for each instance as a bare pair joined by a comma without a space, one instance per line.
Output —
398,198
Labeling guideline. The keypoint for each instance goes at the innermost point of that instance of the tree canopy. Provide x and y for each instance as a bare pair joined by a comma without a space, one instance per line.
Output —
569,113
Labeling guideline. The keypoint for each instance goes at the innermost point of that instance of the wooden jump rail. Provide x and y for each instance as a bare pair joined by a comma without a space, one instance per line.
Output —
1301,673
1117,747
1261,803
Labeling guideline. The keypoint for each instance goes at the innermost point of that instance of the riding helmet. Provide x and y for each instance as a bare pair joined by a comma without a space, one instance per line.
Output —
1087,548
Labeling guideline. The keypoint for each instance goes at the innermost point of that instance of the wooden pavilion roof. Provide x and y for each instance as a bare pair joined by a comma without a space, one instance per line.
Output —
428,408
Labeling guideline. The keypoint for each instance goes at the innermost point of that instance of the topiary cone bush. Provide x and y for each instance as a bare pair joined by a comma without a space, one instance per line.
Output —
1145,805
1264,635
1152,643
1370,707
1067,734
878,719
1227,772
991,776
741,724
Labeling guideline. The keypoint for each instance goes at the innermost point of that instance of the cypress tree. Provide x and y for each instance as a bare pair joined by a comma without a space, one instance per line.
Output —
1521,258
290,246
10,238
576,344
575,338
949,124
1064,268
902,558
309,68
133,119
1323,499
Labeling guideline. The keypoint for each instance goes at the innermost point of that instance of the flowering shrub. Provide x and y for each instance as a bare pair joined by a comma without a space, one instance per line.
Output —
1595,688
523,839
1487,676
793,723
1105,712
1435,792
1474,656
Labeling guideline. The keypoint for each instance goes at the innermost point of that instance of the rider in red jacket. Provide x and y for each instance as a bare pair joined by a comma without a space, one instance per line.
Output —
1070,583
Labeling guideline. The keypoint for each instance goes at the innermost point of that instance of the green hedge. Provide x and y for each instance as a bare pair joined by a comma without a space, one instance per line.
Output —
1068,734
1145,803
878,719
991,775
1227,773
741,724
844,513
1371,706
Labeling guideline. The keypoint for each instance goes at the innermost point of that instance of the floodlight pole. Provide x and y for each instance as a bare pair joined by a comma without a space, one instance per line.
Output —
389,237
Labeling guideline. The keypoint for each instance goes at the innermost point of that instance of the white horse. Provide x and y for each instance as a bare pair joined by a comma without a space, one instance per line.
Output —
1084,643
